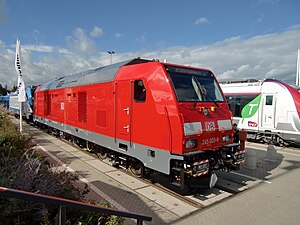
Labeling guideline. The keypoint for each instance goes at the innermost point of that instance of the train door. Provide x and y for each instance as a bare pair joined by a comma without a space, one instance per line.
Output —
268,111
123,112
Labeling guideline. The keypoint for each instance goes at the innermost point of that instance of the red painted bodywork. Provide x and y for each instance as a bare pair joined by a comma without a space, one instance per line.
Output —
157,123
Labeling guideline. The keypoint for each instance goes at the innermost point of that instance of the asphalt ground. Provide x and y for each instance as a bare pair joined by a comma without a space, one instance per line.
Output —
266,194
275,200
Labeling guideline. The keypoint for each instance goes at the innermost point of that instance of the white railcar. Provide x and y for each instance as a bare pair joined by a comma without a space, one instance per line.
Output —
268,110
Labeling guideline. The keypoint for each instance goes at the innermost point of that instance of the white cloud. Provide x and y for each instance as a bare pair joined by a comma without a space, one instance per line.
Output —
97,32
39,48
263,56
240,71
119,35
201,20
81,43
294,27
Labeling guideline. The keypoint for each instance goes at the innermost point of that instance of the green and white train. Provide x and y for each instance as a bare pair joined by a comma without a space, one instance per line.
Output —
268,110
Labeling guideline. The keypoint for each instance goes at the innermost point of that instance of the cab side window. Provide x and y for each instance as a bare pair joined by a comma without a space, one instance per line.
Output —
139,91
269,100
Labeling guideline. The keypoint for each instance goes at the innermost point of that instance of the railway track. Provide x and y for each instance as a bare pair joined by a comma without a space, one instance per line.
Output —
189,200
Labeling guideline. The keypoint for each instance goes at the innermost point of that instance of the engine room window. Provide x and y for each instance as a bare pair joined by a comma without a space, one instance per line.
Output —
139,91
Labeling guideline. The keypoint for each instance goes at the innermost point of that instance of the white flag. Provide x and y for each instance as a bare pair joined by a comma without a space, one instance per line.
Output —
20,85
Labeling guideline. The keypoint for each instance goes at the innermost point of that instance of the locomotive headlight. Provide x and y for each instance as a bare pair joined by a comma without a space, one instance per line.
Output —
189,144
226,138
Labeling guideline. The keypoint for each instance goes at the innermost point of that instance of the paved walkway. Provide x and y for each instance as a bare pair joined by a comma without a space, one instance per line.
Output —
275,201
107,183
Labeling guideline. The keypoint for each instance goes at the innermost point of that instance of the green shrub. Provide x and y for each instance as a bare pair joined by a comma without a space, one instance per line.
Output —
92,218
23,169
12,143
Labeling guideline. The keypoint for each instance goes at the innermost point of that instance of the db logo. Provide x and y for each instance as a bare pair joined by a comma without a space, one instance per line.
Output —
210,126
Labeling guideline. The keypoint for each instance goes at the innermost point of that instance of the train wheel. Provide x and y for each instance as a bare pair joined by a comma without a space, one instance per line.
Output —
89,147
102,154
136,168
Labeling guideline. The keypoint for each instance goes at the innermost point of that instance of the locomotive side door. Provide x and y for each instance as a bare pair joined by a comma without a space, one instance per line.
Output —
268,111
123,111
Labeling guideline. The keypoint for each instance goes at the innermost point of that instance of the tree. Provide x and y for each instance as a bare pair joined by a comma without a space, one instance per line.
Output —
14,88
3,91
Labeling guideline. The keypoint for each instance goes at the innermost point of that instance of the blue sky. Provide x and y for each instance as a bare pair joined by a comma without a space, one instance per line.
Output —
234,38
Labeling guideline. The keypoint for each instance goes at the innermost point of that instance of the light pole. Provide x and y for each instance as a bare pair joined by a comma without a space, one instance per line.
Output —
111,55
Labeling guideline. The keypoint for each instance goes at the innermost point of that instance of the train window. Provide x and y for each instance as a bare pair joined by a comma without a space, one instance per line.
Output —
269,100
236,103
139,91
193,85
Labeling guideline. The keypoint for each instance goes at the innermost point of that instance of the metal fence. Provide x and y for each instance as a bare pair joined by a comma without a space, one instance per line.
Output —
63,203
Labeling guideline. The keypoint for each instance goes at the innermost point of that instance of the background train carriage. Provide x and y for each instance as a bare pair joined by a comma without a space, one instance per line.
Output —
268,110
27,106
4,101
156,117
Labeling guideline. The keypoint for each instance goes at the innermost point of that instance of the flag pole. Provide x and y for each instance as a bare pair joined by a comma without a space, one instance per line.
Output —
21,119
21,85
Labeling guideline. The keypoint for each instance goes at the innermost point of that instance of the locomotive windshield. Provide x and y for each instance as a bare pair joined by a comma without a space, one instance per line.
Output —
193,85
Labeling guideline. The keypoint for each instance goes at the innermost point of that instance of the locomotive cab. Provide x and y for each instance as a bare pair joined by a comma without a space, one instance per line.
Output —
207,127
201,105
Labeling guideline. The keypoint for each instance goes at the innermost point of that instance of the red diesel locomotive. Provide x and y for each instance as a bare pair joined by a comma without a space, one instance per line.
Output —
153,118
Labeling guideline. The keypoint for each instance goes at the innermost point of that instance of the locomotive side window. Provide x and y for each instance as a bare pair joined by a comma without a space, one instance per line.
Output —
269,100
193,85
139,91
